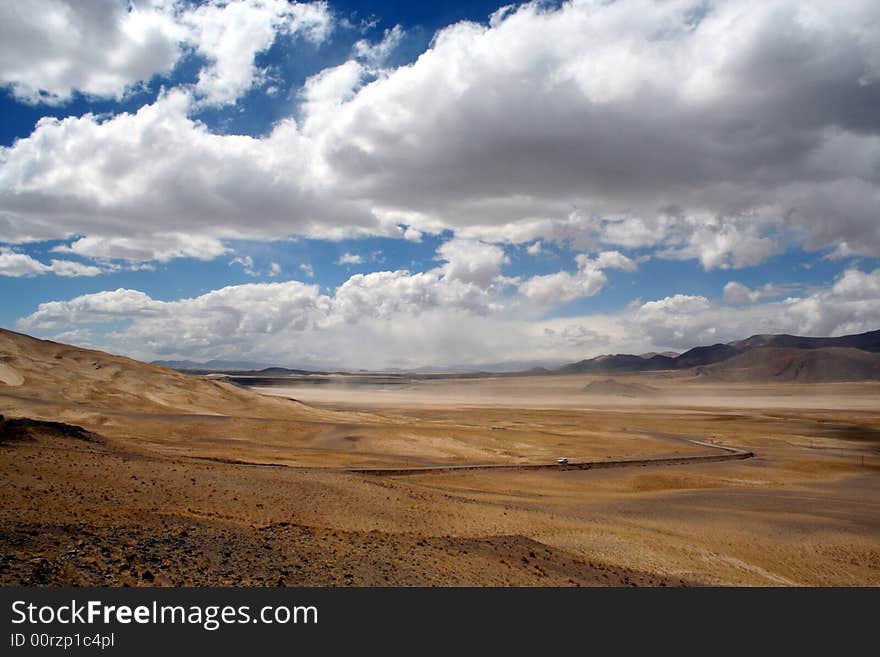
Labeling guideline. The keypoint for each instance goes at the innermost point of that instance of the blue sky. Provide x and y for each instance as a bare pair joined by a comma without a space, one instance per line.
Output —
397,184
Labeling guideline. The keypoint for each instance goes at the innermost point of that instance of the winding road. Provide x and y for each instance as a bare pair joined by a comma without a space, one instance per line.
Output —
727,454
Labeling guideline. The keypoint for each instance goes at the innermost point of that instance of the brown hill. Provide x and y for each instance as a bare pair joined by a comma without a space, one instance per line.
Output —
618,389
869,341
816,365
700,359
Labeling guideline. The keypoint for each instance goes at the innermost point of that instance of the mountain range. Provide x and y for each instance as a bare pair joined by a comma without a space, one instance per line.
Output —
758,358
773,357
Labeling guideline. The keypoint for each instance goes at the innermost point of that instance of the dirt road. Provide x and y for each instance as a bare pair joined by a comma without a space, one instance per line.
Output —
728,454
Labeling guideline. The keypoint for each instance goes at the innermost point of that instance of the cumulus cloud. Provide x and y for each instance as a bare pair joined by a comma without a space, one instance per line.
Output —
375,54
350,259
228,316
561,287
51,48
19,265
472,261
385,294
249,317
403,319
641,122
714,131
411,234
735,293
850,305
161,247
184,195
230,34
247,264
69,268
250,268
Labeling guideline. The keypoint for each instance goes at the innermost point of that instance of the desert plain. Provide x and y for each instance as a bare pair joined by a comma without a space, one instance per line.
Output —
114,472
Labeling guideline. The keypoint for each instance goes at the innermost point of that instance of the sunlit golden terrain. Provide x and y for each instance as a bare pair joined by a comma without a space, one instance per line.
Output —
178,479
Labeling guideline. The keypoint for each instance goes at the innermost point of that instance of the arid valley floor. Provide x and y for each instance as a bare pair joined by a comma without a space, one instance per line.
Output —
183,480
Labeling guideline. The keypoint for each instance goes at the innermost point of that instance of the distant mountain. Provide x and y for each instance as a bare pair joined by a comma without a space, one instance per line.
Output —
619,363
760,357
809,365
211,365
247,368
651,354
704,356
865,341
283,371
500,367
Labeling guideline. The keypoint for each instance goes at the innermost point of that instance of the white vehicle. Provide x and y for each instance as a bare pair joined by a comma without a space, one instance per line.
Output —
562,461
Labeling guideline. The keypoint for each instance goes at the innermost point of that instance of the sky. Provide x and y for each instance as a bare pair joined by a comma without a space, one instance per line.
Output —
404,184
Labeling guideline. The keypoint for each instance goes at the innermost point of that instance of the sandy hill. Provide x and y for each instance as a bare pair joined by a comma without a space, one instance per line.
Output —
817,365
40,373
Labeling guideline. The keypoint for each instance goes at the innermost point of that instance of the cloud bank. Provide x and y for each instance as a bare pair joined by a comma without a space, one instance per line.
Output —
716,131
407,320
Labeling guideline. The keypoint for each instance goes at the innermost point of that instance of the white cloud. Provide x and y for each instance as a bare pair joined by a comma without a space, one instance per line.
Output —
728,244
534,249
386,294
161,247
191,190
607,260
404,319
250,268
561,287
735,293
375,54
230,314
18,265
230,35
717,131
681,320
471,261
411,234
648,137
51,48
308,270
108,306
851,305
350,259
69,268
79,337
247,264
